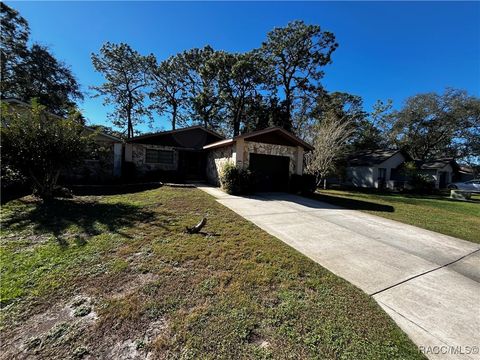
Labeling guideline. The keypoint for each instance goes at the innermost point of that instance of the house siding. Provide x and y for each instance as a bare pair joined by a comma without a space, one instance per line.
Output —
367,176
216,160
239,154
360,176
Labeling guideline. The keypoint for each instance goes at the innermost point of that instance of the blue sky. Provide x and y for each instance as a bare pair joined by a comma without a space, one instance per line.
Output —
387,49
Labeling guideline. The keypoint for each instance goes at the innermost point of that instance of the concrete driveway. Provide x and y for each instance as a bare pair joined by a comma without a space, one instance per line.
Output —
427,282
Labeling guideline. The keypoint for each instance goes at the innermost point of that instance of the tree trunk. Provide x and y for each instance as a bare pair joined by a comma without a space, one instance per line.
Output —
324,183
288,104
129,119
174,117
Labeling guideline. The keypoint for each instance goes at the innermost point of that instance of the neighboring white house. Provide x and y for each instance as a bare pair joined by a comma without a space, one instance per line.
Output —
439,171
373,168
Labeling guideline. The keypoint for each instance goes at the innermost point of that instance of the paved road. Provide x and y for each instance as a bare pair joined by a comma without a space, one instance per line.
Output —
427,282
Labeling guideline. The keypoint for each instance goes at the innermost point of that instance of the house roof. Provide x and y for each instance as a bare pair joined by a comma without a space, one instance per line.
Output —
188,128
192,137
272,135
24,104
435,164
372,157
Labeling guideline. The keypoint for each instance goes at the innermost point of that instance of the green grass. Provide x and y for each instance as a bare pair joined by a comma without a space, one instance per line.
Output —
231,292
437,213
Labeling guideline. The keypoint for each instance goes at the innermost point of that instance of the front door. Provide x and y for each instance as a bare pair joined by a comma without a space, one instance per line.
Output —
192,165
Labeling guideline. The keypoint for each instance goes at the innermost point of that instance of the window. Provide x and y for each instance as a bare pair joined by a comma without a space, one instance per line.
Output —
159,156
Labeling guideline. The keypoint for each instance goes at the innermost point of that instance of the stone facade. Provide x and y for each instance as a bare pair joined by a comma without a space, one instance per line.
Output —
216,159
270,149
239,154
136,153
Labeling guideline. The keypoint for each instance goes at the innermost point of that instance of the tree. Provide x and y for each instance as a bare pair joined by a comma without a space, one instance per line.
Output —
346,106
169,89
330,140
40,145
50,81
14,33
127,75
34,72
202,86
296,54
239,78
434,125
265,111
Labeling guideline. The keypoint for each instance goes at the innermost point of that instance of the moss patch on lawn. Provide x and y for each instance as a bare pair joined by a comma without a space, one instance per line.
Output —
113,276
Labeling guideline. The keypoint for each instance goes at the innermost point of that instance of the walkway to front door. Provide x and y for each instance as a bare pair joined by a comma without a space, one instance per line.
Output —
427,282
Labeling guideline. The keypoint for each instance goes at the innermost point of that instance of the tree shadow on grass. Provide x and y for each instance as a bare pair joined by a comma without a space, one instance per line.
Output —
353,204
87,218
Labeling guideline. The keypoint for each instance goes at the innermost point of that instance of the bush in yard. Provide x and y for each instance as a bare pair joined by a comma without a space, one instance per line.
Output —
236,181
421,184
40,145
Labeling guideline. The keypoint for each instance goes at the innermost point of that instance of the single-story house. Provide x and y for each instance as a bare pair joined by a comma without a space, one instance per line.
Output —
178,154
384,168
273,154
439,171
375,168
197,153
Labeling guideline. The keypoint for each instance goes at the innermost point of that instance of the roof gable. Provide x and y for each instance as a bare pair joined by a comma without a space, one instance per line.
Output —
272,135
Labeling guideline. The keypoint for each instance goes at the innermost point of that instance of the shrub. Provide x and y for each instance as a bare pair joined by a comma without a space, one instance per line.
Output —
236,181
421,183
304,184
40,146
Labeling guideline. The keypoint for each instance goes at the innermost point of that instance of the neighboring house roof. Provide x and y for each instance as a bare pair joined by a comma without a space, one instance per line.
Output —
272,135
436,164
465,169
372,157
192,137
24,104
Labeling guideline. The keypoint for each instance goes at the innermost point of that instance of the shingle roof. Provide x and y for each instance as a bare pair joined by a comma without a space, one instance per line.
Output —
370,157
434,164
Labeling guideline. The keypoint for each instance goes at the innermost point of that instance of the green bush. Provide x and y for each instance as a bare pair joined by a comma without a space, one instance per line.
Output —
421,184
40,145
236,181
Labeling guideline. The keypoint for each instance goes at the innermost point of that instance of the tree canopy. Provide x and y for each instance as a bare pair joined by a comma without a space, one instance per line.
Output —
33,72
127,75
431,126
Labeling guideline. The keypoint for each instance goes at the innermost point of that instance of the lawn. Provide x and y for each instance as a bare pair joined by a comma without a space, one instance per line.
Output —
437,213
117,276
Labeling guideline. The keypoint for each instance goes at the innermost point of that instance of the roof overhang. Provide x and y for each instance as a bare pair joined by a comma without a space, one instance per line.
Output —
220,143
257,136
161,133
